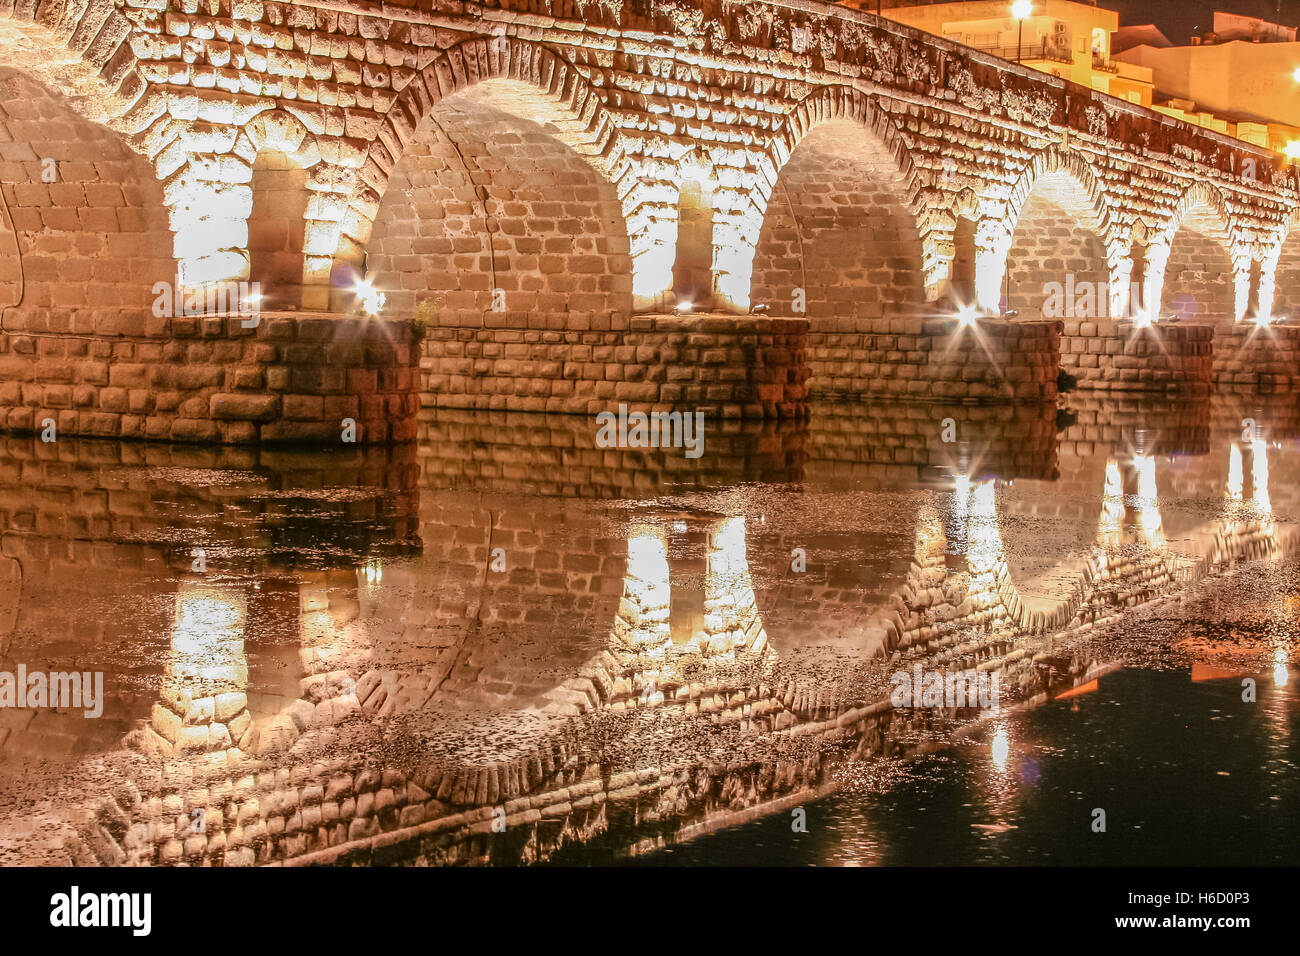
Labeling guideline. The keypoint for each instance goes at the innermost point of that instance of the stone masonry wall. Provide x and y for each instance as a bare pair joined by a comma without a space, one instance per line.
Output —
1198,276
489,210
1118,356
86,235
292,378
1266,359
732,367
934,359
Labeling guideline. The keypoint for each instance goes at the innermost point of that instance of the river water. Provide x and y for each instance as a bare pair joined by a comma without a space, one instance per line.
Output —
1188,774
611,649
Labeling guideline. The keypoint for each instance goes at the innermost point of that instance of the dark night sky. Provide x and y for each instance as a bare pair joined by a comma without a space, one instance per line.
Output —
1180,18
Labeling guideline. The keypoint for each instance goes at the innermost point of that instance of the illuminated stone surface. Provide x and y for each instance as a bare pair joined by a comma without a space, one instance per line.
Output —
579,166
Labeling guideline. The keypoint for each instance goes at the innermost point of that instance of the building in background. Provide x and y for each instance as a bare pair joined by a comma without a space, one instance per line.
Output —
1067,38
1242,78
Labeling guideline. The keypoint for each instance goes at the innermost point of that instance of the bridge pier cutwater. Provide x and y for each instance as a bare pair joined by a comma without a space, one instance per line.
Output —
733,211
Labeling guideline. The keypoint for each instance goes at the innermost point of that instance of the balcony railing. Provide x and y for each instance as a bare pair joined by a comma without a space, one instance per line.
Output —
1029,51
1101,63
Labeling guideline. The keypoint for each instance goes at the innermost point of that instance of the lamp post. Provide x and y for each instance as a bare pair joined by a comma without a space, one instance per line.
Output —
1021,10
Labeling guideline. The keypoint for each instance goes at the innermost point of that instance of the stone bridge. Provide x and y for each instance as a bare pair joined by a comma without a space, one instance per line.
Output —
568,205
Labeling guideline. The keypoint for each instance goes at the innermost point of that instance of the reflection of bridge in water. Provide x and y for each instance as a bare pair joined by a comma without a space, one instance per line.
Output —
351,678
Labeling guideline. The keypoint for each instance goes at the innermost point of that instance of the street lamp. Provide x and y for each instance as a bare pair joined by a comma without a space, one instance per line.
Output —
1021,10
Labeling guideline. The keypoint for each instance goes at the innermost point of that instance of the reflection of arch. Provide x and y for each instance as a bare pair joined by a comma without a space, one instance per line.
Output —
729,623
545,101
1058,224
833,168
972,623
1136,556
1193,262
844,596
1246,529
205,675
1083,587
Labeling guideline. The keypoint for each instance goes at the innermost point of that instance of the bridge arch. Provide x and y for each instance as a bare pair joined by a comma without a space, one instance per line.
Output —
836,165
1195,265
84,236
1059,239
84,232
698,210
293,217
80,50
1279,293
497,182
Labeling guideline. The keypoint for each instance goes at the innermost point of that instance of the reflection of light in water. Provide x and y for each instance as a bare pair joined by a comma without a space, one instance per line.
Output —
955,515
1001,748
208,638
1149,521
1259,478
1235,472
728,561
372,571
317,628
1111,524
646,584
984,541
1278,711
201,614
647,567
961,494
729,607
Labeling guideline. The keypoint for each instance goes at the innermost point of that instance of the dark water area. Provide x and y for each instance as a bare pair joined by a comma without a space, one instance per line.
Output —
1187,773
